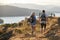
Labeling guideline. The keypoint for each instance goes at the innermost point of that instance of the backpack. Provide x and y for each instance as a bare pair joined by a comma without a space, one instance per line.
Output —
43,17
32,19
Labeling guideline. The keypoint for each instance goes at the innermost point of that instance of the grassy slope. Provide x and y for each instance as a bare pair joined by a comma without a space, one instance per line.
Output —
25,31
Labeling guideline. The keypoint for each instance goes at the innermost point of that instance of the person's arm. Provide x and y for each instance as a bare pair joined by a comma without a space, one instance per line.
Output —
39,19
47,18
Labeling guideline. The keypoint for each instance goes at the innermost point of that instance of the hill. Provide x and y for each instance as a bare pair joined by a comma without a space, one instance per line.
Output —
50,8
23,31
7,10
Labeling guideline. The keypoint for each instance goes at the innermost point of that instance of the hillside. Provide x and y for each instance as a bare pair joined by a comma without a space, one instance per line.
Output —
50,8
23,30
6,10
24,10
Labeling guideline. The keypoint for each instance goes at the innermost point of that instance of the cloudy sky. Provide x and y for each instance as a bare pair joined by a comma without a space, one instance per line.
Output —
39,2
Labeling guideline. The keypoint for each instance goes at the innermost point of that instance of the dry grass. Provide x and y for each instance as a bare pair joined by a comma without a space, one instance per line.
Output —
26,31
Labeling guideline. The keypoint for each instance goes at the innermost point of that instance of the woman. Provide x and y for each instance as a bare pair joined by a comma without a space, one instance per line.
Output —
33,21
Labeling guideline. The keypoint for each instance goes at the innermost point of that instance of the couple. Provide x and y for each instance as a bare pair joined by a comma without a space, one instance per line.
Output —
43,19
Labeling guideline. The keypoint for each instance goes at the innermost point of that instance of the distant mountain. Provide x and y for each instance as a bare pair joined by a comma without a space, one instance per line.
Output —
26,9
16,11
55,9
51,8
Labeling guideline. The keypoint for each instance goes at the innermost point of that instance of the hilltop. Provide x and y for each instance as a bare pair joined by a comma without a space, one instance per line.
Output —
22,30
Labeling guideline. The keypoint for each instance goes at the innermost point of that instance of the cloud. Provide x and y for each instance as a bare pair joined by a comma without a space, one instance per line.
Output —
40,2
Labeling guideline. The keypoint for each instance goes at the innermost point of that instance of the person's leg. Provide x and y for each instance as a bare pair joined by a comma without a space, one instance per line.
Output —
33,29
41,27
44,27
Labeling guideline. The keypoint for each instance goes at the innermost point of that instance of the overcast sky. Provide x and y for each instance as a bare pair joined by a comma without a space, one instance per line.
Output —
39,2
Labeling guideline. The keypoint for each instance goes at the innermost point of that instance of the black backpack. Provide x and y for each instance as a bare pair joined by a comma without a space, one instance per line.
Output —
31,19
43,17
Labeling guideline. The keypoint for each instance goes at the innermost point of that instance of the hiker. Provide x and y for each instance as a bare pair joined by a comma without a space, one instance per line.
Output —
51,15
54,15
33,21
43,19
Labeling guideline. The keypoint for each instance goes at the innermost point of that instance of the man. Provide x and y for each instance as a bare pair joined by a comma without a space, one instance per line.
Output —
43,21
33,21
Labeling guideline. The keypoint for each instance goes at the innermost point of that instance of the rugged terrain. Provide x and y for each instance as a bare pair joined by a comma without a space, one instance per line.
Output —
22,31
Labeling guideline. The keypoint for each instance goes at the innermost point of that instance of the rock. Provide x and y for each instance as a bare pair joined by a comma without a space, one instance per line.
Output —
1,21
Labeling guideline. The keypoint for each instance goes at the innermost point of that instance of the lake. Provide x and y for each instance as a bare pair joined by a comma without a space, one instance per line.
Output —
18,19
12,19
